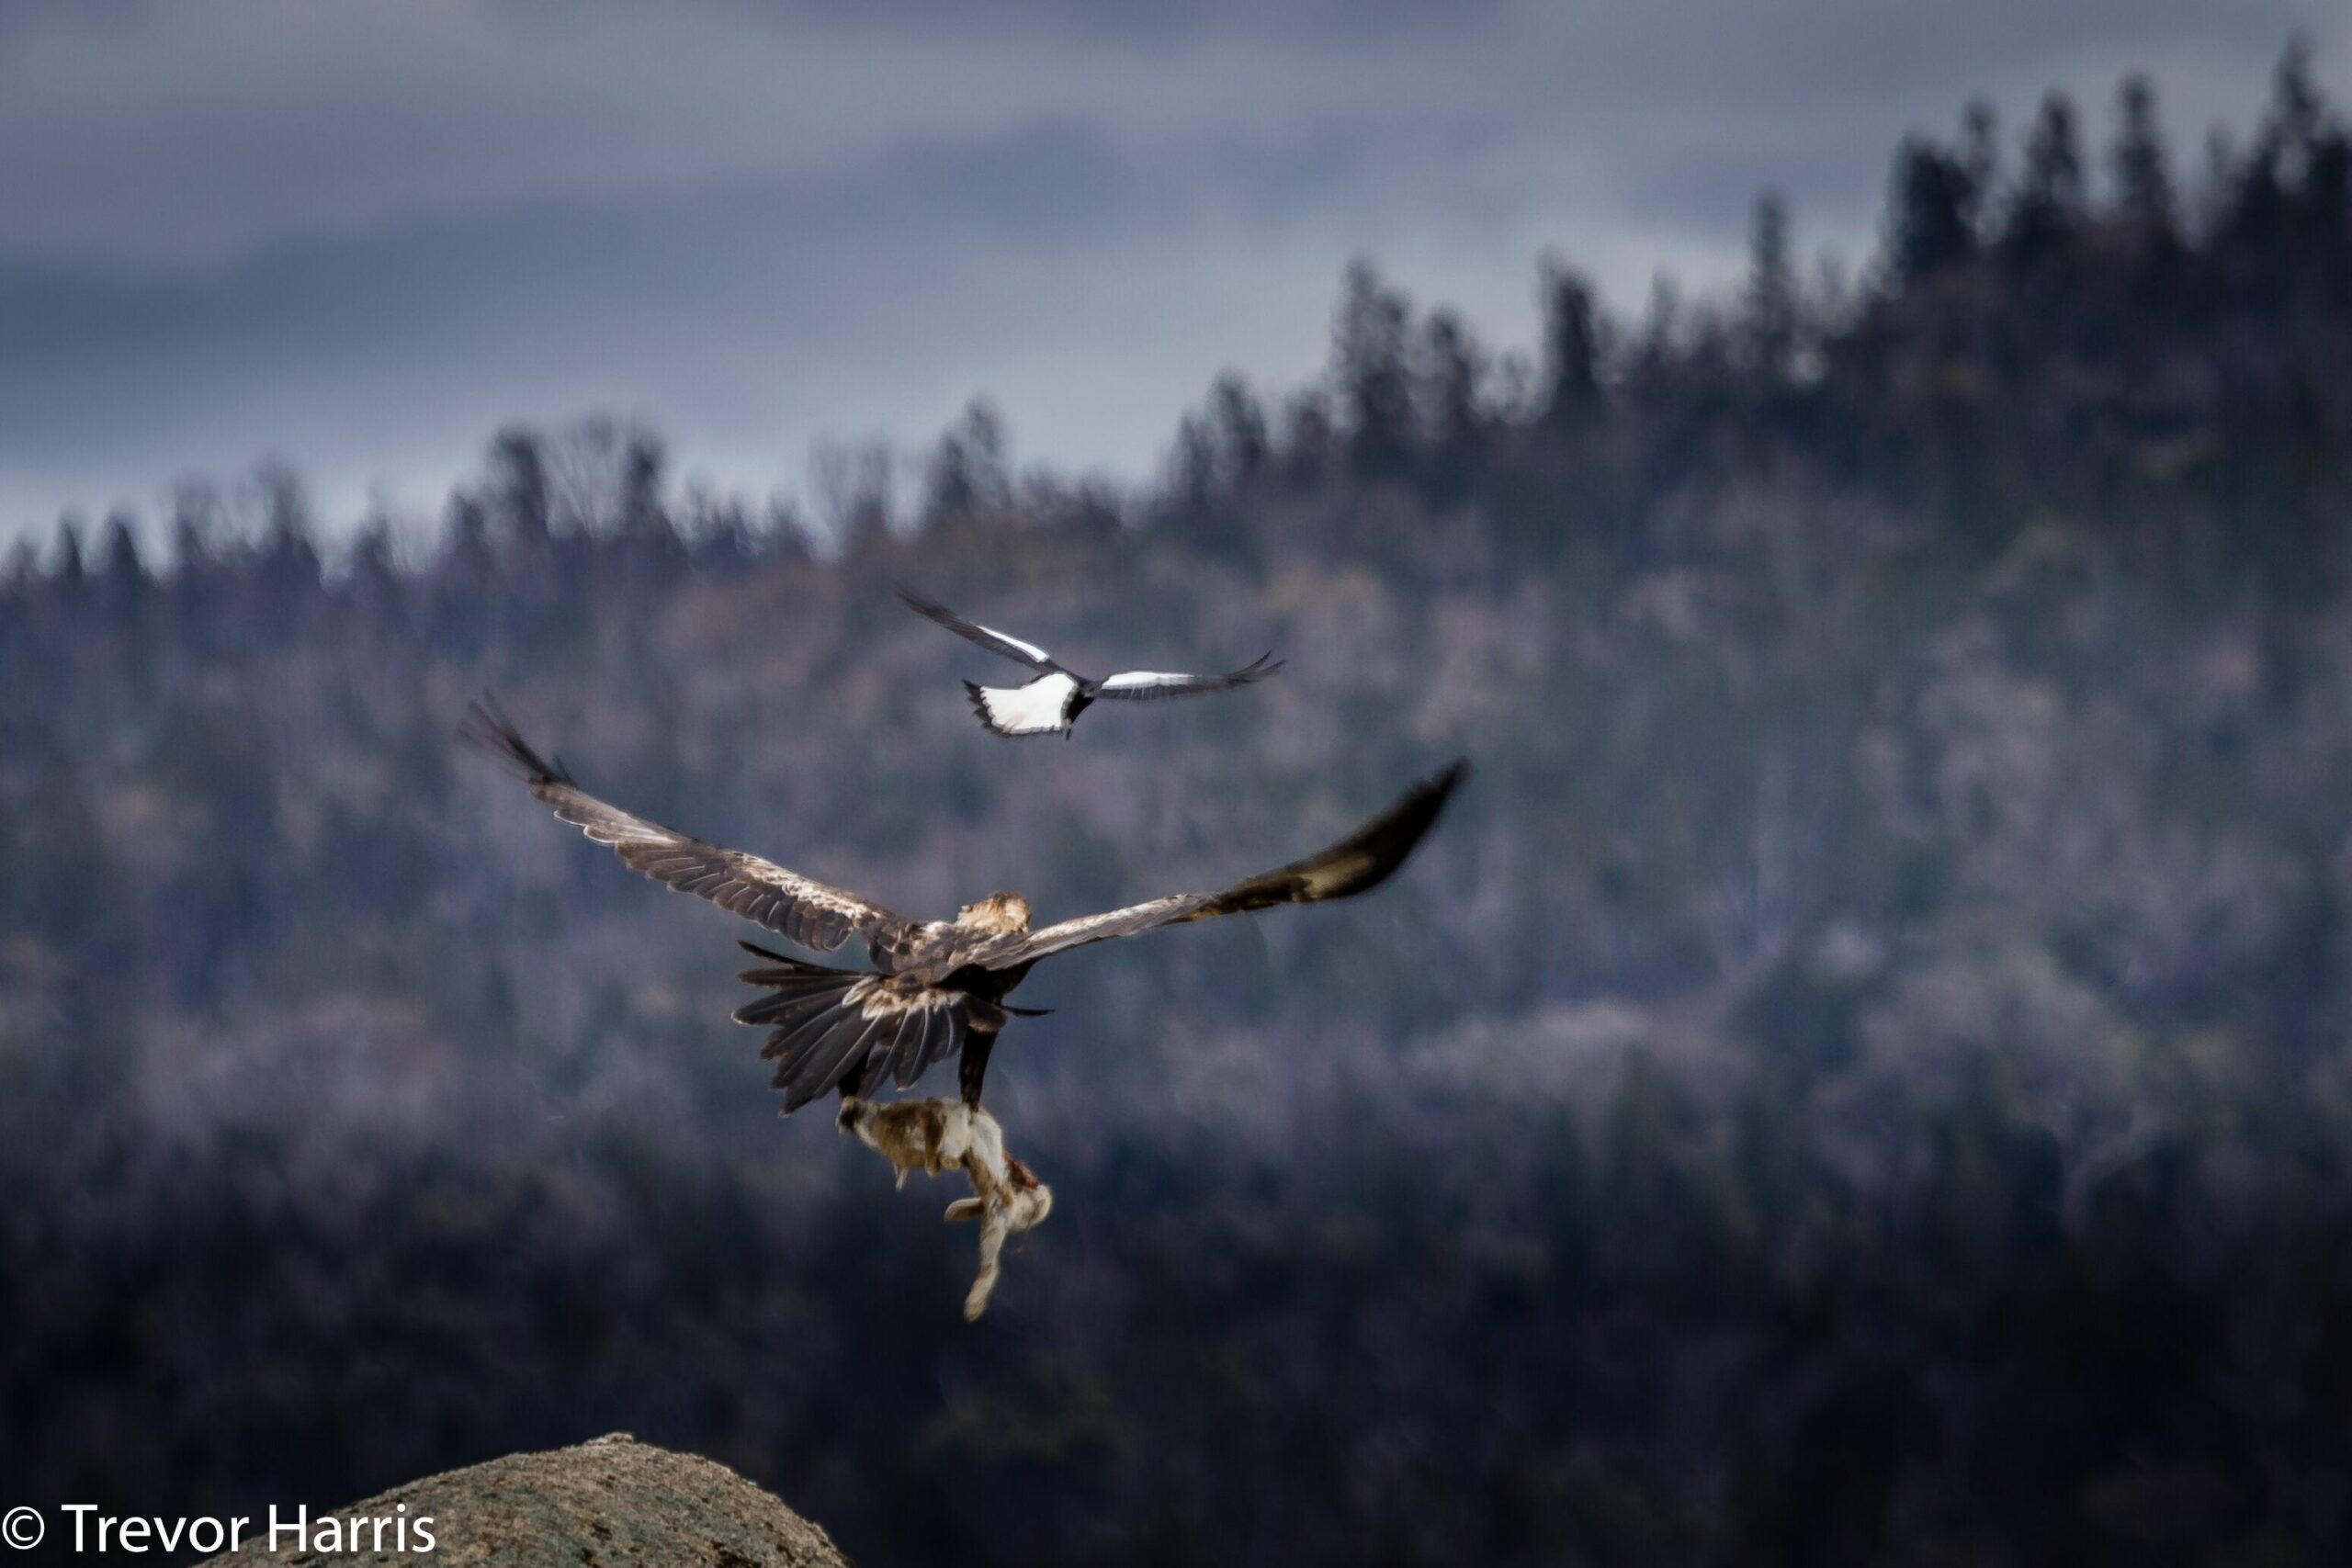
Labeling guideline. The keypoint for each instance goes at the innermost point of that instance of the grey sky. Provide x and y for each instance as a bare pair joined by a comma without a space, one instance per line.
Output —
362,236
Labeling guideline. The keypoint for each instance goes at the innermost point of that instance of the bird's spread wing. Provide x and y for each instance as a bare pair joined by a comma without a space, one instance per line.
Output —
996,642
808,911
1143,685
1363,860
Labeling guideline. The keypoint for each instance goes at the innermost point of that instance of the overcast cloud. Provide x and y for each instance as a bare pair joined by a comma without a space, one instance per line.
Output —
361,237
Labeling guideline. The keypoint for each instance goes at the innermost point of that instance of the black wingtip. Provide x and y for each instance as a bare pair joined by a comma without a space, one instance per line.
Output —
487,729
1439,787
1404,825
922,604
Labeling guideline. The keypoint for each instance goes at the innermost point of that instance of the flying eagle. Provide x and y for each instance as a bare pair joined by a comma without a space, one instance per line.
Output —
937,988
1050,704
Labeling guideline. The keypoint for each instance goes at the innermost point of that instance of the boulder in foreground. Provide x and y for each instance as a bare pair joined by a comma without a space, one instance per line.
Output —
612,1501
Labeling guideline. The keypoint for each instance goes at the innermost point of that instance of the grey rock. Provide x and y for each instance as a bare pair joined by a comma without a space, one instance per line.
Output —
612,1501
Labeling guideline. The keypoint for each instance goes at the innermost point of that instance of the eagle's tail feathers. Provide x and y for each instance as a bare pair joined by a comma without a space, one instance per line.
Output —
947,1038
798,982
798,966
839,1051
784,1015
906,1049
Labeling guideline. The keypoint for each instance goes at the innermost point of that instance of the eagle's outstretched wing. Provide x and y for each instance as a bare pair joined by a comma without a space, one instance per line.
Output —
1361,861
808,911
995,641
1137,686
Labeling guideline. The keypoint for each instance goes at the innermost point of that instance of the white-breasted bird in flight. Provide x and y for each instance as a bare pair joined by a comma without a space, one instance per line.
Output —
1050,704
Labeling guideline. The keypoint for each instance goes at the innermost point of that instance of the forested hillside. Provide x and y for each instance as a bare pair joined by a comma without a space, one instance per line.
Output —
1864,1073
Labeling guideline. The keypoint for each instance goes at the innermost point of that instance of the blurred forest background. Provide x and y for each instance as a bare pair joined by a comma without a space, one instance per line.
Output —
1865,1073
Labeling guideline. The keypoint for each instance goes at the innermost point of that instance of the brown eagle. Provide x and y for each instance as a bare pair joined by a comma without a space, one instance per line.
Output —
937,988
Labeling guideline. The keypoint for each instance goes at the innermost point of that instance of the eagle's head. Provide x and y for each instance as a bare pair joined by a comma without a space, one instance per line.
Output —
999,912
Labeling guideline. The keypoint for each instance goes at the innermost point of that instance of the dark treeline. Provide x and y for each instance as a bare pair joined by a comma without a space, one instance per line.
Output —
1863,1075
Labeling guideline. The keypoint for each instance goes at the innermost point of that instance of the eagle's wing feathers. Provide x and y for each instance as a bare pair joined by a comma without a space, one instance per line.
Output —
808,911
1064,935
995,641
1142,685
1361,861
833,1029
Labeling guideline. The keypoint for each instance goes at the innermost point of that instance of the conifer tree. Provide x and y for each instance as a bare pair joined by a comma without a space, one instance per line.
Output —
2049,207
2143,168
1929,222
1369,367
1571,348
1771,310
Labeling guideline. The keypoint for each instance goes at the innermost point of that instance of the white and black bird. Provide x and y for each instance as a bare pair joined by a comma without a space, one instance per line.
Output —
1050,704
